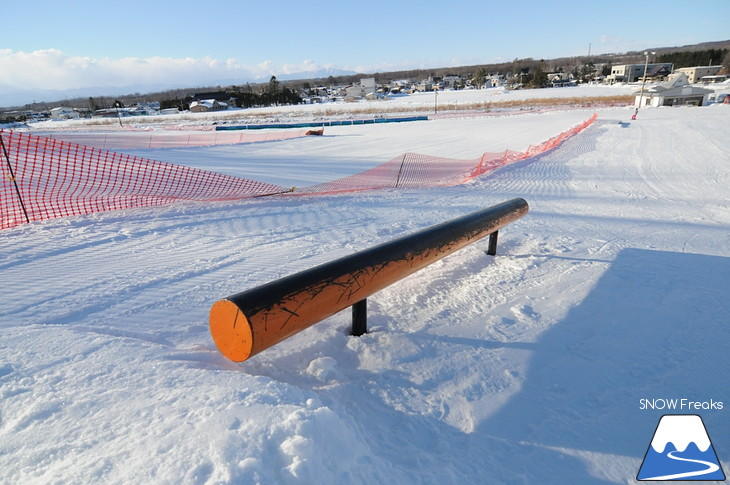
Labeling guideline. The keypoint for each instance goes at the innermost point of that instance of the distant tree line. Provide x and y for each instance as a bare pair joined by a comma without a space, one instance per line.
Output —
708,57
270,94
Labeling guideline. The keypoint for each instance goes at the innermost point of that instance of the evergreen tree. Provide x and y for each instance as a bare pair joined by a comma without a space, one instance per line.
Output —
273,88
479,78
271,94
586,72
539,78
694,58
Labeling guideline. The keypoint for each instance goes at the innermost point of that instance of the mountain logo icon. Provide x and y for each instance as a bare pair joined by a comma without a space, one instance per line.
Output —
680,450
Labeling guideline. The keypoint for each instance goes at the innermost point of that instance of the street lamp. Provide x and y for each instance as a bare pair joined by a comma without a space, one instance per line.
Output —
643,82
118,104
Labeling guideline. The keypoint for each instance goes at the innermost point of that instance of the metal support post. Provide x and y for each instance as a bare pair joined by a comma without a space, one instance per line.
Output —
12,178
492,249
360,318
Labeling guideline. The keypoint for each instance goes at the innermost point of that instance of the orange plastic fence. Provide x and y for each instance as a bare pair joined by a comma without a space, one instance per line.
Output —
44,178
412,170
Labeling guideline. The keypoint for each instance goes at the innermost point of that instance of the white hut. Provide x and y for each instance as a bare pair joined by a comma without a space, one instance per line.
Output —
676,91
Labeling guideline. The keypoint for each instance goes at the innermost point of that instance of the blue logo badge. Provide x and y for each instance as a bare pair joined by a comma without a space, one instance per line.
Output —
680,450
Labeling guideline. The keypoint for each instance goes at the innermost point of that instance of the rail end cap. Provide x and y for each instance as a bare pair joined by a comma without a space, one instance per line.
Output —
231,330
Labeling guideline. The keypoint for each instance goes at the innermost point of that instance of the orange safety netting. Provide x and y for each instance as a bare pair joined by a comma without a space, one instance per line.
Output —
412,170
44,178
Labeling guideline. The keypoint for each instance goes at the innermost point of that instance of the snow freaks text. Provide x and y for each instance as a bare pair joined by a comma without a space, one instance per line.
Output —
679,404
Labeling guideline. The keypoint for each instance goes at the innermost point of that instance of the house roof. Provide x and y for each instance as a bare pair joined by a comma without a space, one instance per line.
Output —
686,90
208,103
676,85
688,69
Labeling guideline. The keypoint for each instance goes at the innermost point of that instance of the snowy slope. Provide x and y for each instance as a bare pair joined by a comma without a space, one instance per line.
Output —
527,367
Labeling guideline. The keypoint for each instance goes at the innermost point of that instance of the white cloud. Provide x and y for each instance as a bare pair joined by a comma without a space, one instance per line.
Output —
52,74
54,69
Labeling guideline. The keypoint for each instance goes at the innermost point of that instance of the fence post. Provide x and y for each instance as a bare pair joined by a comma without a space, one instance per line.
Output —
400,170
12,177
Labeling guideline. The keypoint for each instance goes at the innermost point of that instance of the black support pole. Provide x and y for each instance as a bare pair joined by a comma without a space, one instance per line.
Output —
15,182
360,318
400,170
492,248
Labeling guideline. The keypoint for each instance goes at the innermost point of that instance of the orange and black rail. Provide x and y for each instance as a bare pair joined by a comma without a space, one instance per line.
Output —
244,324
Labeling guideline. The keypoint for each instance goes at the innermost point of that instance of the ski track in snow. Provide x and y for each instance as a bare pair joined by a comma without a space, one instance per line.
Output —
108,373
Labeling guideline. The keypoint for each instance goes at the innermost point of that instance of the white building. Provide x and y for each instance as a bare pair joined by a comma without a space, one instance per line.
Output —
64,113
365,89
676,91
452,82
630,73
558,79
207,105
495,80
369,84
694,74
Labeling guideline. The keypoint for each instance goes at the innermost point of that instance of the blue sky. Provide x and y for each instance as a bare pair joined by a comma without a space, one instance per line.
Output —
71,44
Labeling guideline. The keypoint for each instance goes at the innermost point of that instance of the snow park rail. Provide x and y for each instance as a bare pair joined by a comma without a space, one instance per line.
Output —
43,178
244,324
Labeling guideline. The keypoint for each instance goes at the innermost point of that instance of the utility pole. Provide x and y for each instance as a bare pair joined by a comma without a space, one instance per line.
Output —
118,104
643,82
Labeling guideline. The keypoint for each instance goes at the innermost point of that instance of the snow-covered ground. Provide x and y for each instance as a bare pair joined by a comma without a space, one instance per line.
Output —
527,367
